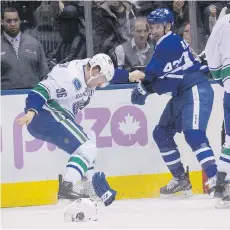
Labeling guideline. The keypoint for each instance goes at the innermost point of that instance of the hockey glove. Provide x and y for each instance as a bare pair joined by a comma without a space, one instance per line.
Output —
102,188
139,94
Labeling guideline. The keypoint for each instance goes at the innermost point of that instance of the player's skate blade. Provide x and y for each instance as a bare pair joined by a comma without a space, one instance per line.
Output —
181,194
66,191
177,188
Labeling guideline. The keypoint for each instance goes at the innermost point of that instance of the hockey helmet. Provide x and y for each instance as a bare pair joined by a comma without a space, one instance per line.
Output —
160,15
82,209
104,62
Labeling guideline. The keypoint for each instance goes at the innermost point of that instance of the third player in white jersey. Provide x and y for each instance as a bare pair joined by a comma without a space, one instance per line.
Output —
217,50
218,57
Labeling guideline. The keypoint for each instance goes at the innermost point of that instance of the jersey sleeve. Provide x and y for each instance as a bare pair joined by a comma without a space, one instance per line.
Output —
225,57
54,87
213,57
217,51
154,68
120,76
50,89
46,90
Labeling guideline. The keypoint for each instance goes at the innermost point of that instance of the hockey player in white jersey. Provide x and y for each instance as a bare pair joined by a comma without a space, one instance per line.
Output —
50,110
218,57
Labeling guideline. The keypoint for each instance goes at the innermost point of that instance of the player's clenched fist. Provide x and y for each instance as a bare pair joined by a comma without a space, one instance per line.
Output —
136,76
26,119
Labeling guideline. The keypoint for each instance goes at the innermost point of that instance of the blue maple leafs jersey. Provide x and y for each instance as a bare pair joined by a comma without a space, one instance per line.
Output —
173,66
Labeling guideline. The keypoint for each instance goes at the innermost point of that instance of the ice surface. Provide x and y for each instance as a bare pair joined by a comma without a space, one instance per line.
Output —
195,212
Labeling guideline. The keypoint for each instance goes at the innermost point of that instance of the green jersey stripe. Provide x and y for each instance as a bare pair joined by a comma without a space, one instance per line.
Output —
76,130
79,129
226,151
41,90
71,128
53,105
47,89
225,73
216,74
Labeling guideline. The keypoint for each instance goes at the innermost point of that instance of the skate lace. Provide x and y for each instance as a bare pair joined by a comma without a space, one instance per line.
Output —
173,183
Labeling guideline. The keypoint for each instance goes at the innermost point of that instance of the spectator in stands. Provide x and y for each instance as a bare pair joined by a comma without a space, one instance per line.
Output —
23,61
25,10
180,10
137,51
124,13
185,32
144,8
72,45
211,15
111,24
45,30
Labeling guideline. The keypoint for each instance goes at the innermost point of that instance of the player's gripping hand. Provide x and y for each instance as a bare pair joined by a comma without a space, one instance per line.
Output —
26,119
102,188
136,76
139,94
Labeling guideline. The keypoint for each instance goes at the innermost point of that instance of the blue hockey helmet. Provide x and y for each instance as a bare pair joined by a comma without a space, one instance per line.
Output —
160,15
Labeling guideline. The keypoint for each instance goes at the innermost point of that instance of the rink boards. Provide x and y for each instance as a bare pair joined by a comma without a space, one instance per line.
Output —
123,133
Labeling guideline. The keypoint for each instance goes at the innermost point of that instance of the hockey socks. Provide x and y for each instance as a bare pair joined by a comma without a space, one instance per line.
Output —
76,168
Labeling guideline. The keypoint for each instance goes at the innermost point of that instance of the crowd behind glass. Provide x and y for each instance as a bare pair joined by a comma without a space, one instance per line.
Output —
42,34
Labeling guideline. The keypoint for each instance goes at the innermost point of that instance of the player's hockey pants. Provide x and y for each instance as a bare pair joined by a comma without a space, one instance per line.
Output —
188,112
57,129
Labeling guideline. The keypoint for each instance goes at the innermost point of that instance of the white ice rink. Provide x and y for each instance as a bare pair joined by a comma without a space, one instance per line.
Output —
195,212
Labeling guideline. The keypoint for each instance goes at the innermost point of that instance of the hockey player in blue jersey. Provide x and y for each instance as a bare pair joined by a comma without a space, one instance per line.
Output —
176,71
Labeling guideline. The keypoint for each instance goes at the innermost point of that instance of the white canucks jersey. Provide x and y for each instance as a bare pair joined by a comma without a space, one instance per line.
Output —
65,89
218,49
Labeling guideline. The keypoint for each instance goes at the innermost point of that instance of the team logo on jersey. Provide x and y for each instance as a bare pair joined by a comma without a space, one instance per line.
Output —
66,140
77,84
87,93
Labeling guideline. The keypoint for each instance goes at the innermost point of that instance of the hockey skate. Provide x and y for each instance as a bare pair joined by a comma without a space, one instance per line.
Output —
177,187
67,192
222,192
87,190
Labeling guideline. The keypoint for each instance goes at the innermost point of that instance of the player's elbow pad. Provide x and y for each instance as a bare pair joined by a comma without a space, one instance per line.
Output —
34,102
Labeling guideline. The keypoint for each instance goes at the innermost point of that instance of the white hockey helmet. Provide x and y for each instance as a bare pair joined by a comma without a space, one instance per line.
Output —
83,209
106,67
